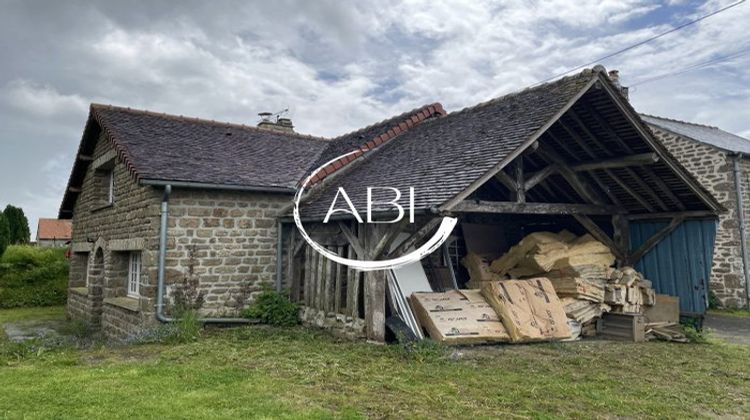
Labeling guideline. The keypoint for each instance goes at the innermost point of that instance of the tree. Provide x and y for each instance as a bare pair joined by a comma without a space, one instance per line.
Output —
18,225
4,234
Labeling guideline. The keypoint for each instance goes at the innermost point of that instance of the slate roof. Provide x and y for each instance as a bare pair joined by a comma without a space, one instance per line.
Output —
54,229
709,135
443,156
165,147
169,148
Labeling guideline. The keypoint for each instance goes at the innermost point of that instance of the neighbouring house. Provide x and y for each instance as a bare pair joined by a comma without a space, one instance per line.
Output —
156,199
721,162
53,232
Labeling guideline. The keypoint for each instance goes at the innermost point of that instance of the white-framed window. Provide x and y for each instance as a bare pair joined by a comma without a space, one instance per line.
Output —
110,187
134,273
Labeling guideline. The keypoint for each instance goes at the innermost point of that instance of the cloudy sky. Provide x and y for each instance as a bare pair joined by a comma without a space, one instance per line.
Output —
335,65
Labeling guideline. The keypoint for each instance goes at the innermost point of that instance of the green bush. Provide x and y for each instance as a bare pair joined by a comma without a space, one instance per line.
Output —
32,276
274,308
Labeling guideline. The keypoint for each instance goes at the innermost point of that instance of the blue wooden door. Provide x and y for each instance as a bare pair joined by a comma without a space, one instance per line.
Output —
679,265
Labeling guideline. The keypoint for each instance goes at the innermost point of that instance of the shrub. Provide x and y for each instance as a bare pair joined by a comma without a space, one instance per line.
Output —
274,308
694,335
31,276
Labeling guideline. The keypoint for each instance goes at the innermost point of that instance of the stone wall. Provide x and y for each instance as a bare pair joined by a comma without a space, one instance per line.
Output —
340,325
229,239
713,169
129,223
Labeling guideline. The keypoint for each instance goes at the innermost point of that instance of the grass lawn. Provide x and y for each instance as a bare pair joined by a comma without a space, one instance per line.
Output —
730,312
273,372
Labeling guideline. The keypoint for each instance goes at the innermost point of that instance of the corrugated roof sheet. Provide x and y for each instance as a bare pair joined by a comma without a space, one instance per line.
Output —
711,136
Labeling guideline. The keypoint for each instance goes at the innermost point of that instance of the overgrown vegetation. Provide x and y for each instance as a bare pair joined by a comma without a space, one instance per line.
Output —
33,276
731,312
273,308
713,300
262,371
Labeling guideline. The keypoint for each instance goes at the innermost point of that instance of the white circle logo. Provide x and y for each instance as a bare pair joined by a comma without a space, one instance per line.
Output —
432,244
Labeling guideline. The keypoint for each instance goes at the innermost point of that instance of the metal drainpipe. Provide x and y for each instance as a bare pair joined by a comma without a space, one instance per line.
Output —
164,215
743,227
279,251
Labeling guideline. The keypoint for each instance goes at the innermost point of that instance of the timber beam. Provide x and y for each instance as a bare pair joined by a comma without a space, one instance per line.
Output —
655,239
473,206
601,236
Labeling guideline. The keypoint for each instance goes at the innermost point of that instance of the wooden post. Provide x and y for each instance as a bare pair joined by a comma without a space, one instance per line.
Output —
308,275
375,305
621,235
520,193
340,273
320,281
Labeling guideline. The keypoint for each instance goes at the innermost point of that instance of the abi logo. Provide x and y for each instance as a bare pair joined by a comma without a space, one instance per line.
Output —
432,244
341,192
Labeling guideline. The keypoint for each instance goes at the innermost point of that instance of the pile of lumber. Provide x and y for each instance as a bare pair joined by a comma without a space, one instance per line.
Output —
628,292
665,331
479,271
579,269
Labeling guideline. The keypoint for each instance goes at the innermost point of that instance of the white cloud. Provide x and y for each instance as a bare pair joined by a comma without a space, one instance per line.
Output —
41,101
337,66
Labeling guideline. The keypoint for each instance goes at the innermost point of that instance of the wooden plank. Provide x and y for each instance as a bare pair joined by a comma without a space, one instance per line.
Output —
330,283
621,234
638,180
623,162
520,191
350,277
320,281
416,236
387,238
534,208
579,185
375,305
293,282
608,128
655,239
670,215
308,274
600,235
604,187
340,281
353,240
539,176
646,205
506,180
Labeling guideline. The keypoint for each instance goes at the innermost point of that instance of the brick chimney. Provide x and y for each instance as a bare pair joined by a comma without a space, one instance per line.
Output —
268,122
614,76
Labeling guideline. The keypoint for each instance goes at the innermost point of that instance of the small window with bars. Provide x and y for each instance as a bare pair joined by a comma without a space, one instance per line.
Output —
134,274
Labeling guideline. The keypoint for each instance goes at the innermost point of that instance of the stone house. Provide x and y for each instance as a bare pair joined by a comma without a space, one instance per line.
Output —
719,160
156,199
224,183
